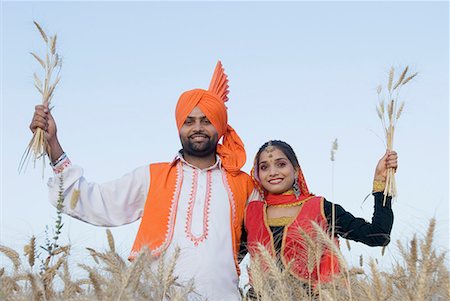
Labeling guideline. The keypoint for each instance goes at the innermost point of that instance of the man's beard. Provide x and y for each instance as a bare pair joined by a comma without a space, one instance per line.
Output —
200,150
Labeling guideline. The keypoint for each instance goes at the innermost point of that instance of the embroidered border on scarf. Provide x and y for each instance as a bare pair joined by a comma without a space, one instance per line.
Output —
172,213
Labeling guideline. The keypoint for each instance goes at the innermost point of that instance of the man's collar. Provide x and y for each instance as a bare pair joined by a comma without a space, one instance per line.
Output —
179,157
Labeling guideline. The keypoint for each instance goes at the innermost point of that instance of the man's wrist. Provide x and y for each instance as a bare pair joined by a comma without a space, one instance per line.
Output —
61,164
58,160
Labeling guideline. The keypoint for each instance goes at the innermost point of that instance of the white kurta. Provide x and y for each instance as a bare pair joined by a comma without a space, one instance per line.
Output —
202,229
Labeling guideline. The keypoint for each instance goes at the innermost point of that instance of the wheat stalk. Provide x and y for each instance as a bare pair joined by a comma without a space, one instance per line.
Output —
38,147
30,251
334,148
402,76
12,255
391,78
111,243
409,78
94,255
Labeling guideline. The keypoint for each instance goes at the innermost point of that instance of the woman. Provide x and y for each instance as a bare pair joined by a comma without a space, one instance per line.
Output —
283,220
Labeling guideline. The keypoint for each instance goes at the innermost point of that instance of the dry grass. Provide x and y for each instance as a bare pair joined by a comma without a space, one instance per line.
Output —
389,117
51,67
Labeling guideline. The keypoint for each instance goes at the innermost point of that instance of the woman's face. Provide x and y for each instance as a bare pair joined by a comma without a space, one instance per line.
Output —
275,171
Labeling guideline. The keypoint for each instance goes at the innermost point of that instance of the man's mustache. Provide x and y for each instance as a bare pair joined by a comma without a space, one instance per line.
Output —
199,135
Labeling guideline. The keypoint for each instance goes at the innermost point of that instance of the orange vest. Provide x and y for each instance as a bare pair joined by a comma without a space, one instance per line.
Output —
293,248
158,219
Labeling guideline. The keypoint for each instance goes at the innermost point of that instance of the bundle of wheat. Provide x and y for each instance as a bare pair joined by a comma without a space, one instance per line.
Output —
51,66
393,112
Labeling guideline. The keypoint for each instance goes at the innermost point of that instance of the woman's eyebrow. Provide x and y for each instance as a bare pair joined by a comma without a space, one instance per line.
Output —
279,159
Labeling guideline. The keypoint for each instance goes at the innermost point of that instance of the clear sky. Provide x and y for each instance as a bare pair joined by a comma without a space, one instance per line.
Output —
303,72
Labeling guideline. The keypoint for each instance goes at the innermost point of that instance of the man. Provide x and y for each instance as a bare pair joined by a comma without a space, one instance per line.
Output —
196,202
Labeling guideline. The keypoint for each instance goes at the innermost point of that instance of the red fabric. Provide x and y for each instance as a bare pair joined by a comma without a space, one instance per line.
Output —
294,247
284,199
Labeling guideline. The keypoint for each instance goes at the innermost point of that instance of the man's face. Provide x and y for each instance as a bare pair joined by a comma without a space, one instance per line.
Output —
198,136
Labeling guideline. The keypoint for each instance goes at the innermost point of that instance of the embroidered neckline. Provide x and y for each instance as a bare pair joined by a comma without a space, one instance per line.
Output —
179,157
280,221
190,211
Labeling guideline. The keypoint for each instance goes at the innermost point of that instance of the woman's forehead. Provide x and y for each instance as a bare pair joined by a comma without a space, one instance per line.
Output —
271,153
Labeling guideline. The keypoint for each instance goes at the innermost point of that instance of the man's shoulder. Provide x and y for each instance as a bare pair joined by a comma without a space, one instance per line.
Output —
157,167
159,164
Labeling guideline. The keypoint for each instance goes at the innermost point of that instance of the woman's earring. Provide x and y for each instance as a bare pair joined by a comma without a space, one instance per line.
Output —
296,188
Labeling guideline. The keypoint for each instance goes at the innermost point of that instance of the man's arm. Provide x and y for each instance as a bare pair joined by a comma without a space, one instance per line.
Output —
111,204
114,203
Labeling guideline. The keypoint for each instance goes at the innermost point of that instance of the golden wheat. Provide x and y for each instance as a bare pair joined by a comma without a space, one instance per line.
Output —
393,112
38,147
111,243
419,273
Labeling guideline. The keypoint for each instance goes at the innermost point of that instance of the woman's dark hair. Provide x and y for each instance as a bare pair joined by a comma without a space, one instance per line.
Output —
282,146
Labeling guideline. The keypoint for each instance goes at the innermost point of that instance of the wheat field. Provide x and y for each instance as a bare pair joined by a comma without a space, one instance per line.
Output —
421,273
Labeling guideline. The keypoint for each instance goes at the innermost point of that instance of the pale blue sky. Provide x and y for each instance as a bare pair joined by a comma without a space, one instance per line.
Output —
304,72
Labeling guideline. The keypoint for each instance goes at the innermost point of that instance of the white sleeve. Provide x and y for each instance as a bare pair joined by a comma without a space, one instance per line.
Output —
113,203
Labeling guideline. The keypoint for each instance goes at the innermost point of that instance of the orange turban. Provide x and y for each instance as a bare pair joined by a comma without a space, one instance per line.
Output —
212,104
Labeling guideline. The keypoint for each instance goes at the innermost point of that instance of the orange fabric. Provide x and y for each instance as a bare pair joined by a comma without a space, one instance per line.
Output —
212,104
219,83
156,228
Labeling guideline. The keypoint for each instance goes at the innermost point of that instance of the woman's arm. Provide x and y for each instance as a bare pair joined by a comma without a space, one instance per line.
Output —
376,233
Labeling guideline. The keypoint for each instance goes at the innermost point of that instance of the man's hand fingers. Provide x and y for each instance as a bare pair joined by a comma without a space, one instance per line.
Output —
40,113
40,120
38,124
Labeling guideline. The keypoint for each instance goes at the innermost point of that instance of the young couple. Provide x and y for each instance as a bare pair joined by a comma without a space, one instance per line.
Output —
198,201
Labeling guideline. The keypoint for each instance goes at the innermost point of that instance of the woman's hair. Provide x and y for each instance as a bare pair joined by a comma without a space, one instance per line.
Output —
282,146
